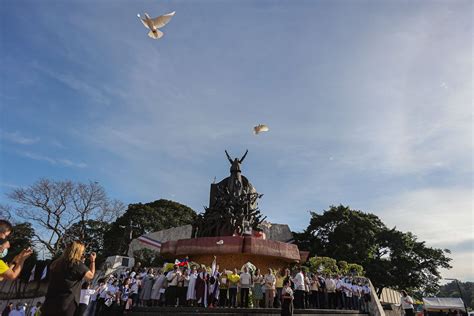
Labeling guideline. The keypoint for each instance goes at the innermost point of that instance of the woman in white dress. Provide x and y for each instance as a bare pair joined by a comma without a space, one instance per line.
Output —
191,295
155,290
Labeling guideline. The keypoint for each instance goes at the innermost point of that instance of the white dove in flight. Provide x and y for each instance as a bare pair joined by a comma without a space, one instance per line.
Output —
260,128
154,24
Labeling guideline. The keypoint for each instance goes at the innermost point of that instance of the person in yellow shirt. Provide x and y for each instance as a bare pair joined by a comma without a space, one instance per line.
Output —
280,278
12,271
234,279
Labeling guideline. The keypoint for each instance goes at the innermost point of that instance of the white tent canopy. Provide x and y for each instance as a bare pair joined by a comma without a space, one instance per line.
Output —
444,303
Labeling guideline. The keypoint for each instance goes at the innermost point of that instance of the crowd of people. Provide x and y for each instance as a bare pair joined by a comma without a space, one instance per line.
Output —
70,292
21,309
211,287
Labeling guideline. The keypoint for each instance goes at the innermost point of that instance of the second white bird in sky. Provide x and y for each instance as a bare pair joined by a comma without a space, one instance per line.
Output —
260,128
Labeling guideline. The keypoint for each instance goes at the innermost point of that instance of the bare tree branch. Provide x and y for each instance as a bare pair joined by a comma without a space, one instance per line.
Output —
54,206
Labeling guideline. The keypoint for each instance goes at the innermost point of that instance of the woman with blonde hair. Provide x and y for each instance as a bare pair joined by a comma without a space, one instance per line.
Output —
65,280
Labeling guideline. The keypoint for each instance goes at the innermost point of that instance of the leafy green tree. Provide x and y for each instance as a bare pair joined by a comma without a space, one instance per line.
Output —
341,233
141,219
407,262
148,258
451,289
91,233
390,257
21,238
324,265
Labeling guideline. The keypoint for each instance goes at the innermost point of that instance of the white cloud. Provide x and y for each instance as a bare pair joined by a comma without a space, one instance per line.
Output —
443,217
73,81
18,138
52,161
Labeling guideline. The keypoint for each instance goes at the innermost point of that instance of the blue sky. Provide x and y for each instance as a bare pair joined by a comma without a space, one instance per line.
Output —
369,105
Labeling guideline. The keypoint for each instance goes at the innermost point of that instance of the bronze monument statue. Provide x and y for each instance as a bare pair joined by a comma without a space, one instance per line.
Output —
233,206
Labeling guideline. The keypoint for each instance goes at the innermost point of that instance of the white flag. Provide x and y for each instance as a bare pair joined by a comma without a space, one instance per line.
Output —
32,274
45,272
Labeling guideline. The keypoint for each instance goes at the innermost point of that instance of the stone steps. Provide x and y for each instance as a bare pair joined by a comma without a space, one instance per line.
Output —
148,311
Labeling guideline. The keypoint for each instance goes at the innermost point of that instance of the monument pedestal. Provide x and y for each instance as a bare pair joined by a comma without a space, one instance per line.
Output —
234,251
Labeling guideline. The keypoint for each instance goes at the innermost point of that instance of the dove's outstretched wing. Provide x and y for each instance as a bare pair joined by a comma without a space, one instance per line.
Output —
260,128
163,19
143,21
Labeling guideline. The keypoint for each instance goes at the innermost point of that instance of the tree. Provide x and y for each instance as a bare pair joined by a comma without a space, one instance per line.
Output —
91,233
341,233
451,289
140,219
21,238
328,265
390,257
324,265
403,262
148,258
54,206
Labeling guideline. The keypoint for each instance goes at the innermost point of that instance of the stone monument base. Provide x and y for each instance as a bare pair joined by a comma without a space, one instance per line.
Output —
234,251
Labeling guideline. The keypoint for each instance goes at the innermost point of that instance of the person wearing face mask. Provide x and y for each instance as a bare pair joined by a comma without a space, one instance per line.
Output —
10,271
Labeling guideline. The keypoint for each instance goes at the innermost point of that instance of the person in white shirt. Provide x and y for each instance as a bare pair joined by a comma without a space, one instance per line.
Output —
191,294
18,311
298,280
339,292
366,292
314,287
331,290
286,299
101,293
35,308
407,304
348,293
110,297
307,289
245,283
156,290
269,281
134,291
86,293
356,294
171,291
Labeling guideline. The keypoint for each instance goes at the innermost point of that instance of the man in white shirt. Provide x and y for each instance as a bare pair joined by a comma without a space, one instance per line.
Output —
101,293
331,290
298,280
245,283
339,294
171,291
18,311
366,293
356,295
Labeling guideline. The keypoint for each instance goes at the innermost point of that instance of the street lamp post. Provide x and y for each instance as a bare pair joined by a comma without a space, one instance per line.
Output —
460,292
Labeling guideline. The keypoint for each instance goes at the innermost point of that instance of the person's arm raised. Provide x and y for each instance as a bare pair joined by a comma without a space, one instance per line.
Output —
17,264
90,274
